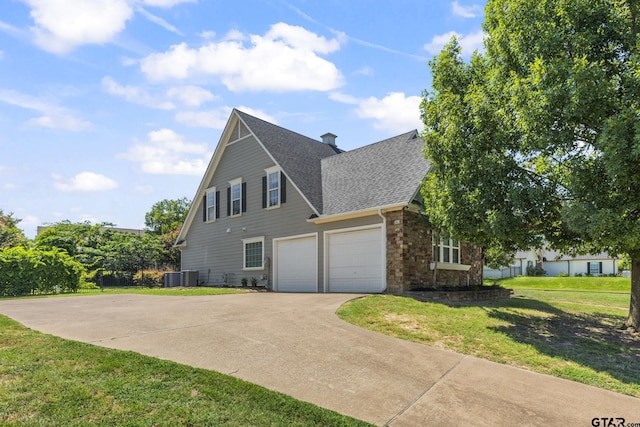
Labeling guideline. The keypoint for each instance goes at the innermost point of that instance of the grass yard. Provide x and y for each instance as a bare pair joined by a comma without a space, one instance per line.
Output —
45,380
195,291
566,327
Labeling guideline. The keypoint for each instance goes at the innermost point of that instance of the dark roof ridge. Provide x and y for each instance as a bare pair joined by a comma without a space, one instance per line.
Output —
278,126
411,133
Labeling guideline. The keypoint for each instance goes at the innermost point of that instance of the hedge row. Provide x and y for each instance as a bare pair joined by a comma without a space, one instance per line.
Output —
34,271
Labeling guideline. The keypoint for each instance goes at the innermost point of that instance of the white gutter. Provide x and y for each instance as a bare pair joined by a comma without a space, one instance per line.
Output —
356,214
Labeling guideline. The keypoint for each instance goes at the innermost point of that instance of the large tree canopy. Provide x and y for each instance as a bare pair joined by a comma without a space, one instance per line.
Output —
538,139
10,234
165,220
167,216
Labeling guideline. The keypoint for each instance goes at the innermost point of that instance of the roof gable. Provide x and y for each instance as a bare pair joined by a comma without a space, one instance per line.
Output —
385,173
298,156
333,182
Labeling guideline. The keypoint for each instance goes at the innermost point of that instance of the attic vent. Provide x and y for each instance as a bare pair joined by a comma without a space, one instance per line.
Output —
329,139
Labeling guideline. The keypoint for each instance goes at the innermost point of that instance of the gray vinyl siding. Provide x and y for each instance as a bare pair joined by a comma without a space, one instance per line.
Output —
216,248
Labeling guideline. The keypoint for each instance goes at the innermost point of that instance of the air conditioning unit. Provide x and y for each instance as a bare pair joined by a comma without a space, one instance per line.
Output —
189,278
172,279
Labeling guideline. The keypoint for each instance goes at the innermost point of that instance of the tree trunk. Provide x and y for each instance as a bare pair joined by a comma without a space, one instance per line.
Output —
435,247
633,321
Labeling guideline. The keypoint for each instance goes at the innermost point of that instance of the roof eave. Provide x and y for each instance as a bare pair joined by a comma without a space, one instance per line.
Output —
322,219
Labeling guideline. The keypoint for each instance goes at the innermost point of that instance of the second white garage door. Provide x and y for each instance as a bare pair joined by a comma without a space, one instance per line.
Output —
355,261
295,264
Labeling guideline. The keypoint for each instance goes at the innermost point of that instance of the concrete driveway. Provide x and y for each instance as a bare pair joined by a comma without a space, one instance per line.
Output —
295,344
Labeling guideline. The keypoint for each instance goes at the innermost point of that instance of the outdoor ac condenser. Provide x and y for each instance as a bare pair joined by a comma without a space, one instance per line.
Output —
172,279
189,278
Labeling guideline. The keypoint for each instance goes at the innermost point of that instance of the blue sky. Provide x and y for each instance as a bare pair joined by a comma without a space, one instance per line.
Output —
109,106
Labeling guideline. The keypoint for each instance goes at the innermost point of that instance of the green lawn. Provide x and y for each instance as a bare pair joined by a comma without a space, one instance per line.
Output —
46,381
567,327
196,291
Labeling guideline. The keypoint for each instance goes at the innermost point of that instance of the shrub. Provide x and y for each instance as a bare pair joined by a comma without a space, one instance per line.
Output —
25,271
149,278
563,274
535,271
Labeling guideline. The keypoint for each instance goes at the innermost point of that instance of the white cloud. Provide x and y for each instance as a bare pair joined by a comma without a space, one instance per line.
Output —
258,113
159,21
52,115
471,11
134,94
395,112
343,98
85,182
469,42
364,71
207,35
63,25
217,119
191,96
213,119
166,152
63,122
166,3
286,58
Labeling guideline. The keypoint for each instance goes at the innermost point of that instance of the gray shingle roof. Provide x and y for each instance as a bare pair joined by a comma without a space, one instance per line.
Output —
298,156
385,173
388,172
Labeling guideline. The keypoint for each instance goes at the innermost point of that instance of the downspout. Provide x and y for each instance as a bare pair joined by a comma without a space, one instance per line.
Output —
384,250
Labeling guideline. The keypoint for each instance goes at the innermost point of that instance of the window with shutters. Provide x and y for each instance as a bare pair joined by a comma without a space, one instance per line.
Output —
272,187
211,205
235,197
595,267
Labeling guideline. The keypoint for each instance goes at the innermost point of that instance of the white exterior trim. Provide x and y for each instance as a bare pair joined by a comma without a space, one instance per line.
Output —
357,214
449,266
244,253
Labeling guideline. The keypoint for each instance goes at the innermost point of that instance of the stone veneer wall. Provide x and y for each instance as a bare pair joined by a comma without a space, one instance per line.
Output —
409,253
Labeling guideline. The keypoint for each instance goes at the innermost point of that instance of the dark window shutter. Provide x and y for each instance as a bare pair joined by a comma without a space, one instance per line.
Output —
283,188
217,204
264,192
244,197
588,267
600,267
229,201
204,209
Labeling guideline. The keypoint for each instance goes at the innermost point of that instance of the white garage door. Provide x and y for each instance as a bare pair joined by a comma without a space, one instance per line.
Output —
296,261
355,261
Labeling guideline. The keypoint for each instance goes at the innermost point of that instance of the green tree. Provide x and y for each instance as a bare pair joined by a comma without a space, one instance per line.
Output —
10,234
538,139
166,216
165,219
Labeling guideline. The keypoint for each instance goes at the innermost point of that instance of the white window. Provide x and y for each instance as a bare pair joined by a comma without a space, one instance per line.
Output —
236,196
449,250
253,253
594,268
273,187
212,203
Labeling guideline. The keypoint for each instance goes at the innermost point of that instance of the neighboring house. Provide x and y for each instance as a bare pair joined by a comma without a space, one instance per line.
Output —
300,215
555,264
